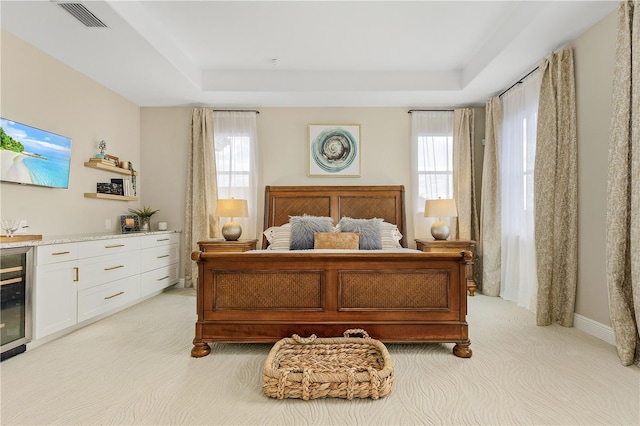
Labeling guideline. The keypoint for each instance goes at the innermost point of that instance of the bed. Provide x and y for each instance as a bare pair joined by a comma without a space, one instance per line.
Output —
397,296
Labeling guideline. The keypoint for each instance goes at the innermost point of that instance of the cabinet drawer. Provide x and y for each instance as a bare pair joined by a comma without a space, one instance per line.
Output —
103,298
159,240
109,246
98,270
157,257
158,279
56,253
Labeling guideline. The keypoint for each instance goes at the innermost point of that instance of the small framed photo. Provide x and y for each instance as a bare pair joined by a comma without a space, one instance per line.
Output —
129,223
334,150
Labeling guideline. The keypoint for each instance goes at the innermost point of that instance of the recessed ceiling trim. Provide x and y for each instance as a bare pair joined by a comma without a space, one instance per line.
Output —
82,14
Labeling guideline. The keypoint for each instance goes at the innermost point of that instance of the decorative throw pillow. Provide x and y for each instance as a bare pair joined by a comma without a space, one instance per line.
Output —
278,237
303,227
391,236
336,240
369,230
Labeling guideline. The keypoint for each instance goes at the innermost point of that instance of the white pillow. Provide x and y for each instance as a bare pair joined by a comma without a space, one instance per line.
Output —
279,237
391,236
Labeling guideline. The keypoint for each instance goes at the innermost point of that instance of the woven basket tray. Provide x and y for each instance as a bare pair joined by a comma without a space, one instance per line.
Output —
338,367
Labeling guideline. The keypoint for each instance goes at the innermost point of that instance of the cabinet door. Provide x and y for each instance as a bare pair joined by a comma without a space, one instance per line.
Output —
55,297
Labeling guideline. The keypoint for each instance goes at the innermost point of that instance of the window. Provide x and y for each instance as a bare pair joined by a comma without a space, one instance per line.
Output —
235,140
435,166
233,160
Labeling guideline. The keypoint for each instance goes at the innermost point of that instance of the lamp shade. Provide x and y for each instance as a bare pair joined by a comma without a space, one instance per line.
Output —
440,208
232,208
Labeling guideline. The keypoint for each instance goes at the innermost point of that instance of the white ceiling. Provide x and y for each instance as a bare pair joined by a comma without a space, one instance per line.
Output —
329,53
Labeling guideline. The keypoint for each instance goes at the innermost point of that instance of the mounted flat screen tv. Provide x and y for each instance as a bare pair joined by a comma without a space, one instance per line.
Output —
33,156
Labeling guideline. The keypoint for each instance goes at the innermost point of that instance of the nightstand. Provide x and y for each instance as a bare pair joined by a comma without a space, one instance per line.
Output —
219,246
449,246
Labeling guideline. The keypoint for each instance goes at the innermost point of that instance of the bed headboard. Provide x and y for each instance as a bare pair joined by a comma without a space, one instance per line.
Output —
359,202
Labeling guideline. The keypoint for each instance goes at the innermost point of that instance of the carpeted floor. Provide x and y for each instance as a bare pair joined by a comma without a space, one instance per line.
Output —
135,368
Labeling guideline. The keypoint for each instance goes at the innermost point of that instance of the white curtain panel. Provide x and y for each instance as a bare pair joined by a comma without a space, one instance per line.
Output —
200,222
490,243
464,189
517,156
235,137
428,130
623,202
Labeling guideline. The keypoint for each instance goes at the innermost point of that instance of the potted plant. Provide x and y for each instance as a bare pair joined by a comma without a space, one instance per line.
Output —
144,214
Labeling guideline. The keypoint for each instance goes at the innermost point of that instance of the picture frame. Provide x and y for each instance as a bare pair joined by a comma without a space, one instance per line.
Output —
129,223
334,150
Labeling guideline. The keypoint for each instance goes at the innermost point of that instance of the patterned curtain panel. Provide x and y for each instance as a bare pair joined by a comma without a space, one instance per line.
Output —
556,191
464,189
200,222
623,203
489,246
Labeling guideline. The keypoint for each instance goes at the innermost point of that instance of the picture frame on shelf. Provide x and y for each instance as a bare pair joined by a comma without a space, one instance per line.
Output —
129,223
334,150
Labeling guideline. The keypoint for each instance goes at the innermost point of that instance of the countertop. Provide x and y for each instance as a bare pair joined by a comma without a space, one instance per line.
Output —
46,240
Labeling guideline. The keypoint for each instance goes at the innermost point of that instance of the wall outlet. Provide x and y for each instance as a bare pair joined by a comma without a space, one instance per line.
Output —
22,229
107,224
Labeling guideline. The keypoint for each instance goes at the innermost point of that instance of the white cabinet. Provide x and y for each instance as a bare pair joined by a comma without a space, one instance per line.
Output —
159,259
56,288
79,281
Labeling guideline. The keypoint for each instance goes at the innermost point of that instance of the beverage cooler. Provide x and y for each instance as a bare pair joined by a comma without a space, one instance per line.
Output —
15,300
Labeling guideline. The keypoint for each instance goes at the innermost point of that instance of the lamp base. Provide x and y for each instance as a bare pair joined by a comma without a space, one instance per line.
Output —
231,231
440,230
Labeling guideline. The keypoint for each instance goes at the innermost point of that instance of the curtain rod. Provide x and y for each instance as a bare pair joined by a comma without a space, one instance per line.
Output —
519,81
430,110
236,110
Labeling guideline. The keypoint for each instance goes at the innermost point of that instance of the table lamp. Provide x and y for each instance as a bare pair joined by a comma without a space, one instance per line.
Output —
440,208
231,208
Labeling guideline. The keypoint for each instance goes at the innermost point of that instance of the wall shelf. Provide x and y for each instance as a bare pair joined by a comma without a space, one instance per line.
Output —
112,169
107,168
109,196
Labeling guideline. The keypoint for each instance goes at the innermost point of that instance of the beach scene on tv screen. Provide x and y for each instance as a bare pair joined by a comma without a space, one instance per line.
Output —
33,156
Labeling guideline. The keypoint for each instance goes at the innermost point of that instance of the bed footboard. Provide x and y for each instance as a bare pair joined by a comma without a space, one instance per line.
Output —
396,297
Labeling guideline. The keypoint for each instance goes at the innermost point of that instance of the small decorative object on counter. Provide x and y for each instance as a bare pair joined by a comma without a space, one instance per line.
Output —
144,214
162,226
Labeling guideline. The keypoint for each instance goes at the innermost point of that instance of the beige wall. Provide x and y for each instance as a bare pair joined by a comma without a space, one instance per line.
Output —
40,91
594,55
283,152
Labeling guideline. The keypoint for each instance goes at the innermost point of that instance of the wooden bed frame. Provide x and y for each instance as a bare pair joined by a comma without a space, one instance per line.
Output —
396,297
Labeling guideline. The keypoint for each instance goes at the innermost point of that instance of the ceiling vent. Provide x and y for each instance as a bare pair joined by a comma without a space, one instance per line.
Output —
82,14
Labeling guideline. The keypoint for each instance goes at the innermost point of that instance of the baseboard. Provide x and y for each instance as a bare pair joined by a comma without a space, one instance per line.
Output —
594,328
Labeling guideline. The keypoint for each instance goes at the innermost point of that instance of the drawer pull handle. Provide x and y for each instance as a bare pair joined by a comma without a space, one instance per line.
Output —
114,295
162,239
160,257
77,270
114,246
58,253
163,278
114,267
11,281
